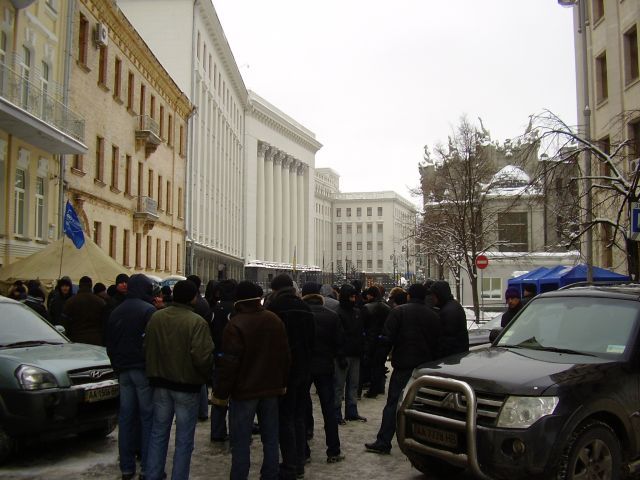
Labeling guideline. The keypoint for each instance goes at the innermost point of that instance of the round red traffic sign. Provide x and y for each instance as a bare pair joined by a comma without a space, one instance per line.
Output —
482,262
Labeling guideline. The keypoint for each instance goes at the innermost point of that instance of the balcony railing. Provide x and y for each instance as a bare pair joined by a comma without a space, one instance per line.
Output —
148,133
147,206
18,88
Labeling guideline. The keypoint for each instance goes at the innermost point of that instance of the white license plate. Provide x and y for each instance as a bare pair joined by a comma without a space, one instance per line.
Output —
102,393
435,435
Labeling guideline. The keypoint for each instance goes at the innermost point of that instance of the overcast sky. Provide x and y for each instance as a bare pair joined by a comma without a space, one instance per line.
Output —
377,80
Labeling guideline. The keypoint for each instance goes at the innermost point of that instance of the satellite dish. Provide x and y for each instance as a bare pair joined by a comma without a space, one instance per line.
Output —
18,4
567,3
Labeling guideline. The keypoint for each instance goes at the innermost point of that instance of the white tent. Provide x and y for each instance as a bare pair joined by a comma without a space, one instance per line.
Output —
62,258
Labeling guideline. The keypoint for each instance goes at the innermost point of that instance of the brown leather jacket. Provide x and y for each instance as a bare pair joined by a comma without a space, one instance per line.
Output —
255,357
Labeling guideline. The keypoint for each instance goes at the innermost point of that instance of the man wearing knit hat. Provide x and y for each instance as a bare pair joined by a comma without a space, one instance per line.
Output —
252,372
514,305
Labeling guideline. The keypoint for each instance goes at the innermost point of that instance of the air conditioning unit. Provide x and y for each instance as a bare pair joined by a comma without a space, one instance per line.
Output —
102,35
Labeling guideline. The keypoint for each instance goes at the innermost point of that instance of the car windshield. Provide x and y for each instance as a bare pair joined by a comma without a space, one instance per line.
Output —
590,326
21,326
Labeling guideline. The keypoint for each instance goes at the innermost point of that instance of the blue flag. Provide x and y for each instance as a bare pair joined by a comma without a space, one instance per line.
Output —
72,226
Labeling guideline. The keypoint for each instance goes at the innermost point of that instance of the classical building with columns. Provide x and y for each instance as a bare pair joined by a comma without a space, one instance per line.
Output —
199,58
279,193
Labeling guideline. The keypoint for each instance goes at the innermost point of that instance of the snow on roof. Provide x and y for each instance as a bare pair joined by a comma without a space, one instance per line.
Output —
511,174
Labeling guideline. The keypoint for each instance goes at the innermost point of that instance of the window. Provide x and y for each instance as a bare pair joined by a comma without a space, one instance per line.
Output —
112,241
359,228
491,288
143,100
347,264
167,255
179,202
99,159
379,228
338,212
605,145
128,165
26,75
602,84
348,245
168,203
358,212
20,201
348,212
152,107
102,66
131,84
148,259
158,254
631,72
598,10
117,79
97,233
380,244
140,178
150,184
358,245
369,245
47,105
125,247
198,47
369,264
115,167
359,265
369,228
379,211
40,218
339,246
138,251
513,232
160,185
83,40
349,228
178,258
181,146
161,121
170,131
607,245
369,211
339,229
379,263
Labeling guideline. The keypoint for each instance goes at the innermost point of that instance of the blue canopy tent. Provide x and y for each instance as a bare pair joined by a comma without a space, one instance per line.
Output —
529,277
565,275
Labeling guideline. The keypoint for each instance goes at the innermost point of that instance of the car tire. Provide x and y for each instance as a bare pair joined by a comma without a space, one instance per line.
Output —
434,467
592,451
7,445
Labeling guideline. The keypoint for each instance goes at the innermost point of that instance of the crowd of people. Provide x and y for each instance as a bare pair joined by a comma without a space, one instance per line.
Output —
249,362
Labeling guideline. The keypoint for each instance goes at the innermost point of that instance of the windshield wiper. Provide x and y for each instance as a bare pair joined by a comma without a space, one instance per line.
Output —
512,346
27,343
563,350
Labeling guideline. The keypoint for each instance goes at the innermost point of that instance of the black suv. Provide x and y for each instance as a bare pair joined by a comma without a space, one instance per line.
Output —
557,394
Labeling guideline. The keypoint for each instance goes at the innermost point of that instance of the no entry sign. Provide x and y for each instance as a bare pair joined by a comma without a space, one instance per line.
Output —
482,262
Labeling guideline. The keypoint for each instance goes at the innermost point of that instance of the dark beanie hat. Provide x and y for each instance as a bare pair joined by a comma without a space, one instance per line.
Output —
36,292
311,288
512,292
122,278
195,279
247,290
184,292
281,281
85,281
99,288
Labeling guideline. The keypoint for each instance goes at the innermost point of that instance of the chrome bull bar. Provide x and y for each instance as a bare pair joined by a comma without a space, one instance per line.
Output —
468,427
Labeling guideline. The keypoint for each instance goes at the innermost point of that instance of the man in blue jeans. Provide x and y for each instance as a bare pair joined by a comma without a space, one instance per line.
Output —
252,372
179,358
124,335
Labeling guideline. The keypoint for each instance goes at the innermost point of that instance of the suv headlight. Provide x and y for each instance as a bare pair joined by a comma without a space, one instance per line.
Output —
522,412
34,378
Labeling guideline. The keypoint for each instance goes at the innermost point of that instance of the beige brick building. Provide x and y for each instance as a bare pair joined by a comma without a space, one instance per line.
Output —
129,189
36,127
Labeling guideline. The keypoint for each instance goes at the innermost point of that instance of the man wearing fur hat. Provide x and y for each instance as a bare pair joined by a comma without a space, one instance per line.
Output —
514,305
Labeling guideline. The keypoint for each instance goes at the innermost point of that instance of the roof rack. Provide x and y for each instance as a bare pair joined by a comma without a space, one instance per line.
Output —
608,283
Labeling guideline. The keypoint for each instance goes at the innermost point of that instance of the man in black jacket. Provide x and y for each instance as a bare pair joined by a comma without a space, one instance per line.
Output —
455,337
374,313
413,331
298,320
348,361
328,339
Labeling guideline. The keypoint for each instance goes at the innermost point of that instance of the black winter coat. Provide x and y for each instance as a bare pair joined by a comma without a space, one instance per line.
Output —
413,330
509,314
455,337
127,324
298,321
220,314
374,314
201,307
328,336
354,334
37,306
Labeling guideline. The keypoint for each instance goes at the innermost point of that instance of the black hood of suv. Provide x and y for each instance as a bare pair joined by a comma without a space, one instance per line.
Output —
516,372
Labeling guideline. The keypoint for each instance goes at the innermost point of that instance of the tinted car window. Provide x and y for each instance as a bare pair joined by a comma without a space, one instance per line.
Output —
596,326
20,324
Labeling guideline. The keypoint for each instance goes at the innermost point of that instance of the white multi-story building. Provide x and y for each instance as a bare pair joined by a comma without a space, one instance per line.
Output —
198,57
327,185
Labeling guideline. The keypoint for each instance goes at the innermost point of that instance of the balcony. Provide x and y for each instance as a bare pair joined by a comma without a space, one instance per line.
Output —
29,112
147,134
146,214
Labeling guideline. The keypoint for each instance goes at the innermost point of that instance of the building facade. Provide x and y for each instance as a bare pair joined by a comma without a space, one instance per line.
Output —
129,189
612,80
37,127
327,185
198,57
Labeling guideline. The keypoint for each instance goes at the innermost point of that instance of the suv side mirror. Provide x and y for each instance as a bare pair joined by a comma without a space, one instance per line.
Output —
60,329
494,334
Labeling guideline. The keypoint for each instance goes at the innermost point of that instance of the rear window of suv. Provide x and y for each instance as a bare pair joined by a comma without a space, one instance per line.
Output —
588,325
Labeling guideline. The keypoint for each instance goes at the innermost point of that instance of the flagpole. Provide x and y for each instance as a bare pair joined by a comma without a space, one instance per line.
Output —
61,256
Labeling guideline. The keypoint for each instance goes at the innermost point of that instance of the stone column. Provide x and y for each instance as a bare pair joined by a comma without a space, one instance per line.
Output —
260,201
286,208
277,211
269,203
293,211
301,215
